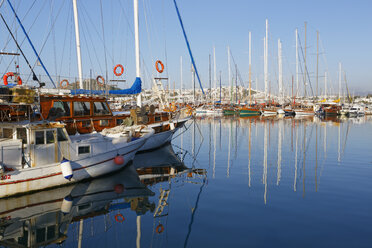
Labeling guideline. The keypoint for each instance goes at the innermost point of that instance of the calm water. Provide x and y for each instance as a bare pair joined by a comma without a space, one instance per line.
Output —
223,183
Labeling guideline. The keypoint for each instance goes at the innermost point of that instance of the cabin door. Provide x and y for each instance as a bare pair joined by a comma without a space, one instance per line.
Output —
45,147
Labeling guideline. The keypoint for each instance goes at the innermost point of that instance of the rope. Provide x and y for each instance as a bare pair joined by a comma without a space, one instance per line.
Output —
188,45
103,35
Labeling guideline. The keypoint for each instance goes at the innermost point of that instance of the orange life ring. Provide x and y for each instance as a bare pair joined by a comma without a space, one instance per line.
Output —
64,86
159,229
11,74
100,81
121,70
119,218
161,65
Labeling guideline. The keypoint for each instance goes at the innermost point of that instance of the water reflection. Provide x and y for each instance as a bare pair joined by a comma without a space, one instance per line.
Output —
268,176
45,217
301,137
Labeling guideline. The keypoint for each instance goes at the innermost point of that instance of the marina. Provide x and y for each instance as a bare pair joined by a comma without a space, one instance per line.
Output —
139,124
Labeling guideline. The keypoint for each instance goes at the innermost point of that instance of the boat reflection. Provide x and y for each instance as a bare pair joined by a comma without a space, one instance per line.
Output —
43,218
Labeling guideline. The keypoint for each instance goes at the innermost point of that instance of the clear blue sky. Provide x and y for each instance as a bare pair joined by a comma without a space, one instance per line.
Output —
344,27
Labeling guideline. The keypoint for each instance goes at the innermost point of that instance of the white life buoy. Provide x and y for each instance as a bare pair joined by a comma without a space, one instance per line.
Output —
66,169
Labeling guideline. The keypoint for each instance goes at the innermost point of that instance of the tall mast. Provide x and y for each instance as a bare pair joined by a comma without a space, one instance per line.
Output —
297,81
229,70
266,66
214,69
325,85
250,68
280,71
339,79
210,79
305,71
317,61
181,76
77,37
137,48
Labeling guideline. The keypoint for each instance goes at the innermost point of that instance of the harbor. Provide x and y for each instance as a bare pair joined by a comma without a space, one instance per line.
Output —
128,123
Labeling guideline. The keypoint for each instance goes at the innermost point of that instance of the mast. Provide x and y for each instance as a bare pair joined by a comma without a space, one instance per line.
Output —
266,64
317,61
220,89
339,79
305,63
250,69
214,69
229,71
236,83
181,76
280,71
77,37
137,48
297,81
210,78
325,85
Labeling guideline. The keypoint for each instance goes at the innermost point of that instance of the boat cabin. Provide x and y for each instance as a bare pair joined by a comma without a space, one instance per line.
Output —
25,144
85,114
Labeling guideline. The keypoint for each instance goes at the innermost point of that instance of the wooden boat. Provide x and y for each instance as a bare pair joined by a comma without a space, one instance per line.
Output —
329,109
304,111
249,111
86,114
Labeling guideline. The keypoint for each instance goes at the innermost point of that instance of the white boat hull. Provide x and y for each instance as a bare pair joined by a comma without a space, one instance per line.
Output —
48,176
161,138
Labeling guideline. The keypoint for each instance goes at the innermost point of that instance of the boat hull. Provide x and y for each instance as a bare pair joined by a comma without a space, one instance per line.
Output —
249,112
163,137
49,176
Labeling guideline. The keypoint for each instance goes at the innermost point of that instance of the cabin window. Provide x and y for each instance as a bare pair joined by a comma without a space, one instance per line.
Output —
100,108
84,150
50,137
104,123
8,133
22,134
61,109
61,136
39,137
119,121
81,108
85,123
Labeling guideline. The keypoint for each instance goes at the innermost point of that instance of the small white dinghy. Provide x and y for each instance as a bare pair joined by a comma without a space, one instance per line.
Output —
40,155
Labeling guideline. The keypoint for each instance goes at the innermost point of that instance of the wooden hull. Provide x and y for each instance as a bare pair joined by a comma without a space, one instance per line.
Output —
249,112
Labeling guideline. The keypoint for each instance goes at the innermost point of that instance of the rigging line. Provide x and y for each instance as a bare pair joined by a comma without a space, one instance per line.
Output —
103,36
47,37
9,38
148,33
54,40
64,40
33,48
188,45
165,45
88,50
86,36
239,75
34,76
306,71
94,28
